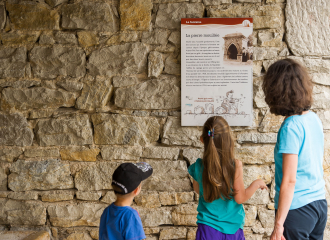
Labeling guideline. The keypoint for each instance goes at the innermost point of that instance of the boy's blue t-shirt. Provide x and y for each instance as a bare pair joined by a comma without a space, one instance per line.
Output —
226,216
120,223
301,135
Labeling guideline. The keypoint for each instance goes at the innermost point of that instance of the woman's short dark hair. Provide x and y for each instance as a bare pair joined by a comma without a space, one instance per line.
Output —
288,88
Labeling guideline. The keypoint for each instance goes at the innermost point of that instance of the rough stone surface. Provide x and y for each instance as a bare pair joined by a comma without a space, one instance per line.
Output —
13,62
71,86
109,197
251,173
70,130
173,65
266,217
325,118
14,130
173,233
79,154
126,59
158,36
2,16
254,137
88,196
3,180
124,37
41,152
216,2
50,62
185,214
32,16
174,198
124,81
79,236
169,15
9,154
23,195
17,38
270,38
321,78
161,153
84,214
121,129
19,83
87,38
54,3
270,123
135,15
154,94
155,217
95,16
321,97
39,175
255,154
57,196
148,199
259,197
174,134
250,215
121,153
95,94
192,154
66,38
155,64
262,53
38,97
311,27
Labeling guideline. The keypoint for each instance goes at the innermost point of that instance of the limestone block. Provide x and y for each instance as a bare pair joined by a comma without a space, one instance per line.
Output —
124,81
124,37
191,234
19,83
255,154
135,15
41,235
270,123
324,115
192,154
50,62
173,233
256,137
259,96
154,152
109,197
84,214
259,197
254,237
46,38
154,230
270,38
68,130
88,196
185,214
87,39
262,53
155,64
9,154
157,36
265,16
248,1
175,198
169,15
217,2
168,176
95,177
54,3
41,113
57,196
65,38
121,152
148,200
127,59
321,78
17,38
38,97
174,134
79,236
71,86
39,175
173,65
153,94
266,217
94,234
122,129
315,65
257,67
272,190
24,213
32,16
251,173
95,94
250,215
79,154
3,180
13,62
95,16
321,97
155,216
14,130
23,195
2,16
175,38
312,27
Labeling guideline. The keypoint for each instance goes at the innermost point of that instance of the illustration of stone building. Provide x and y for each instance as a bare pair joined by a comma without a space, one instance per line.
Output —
235,47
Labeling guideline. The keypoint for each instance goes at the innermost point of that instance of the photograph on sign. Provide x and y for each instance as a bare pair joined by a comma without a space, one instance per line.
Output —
216,70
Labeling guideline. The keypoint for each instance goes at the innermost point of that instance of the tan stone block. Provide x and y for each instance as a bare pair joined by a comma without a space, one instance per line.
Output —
266,217
155,230
259,197
88,196
32,16
9,154
155,217
135,15
23,195
124,37
155,152
15,235
173,65
65,38
3,16
124,81
157,36
259,96
41,113
192,154
4,194
79,154
271,123
155,64
270,38
3,180
42,235
173,198
57,196
254,137
191,234
94,234
253,172
255,154
79,236
148,199
250,215
185,214
18,38
13,62
109,197
121,152
173,233
41,152
257,67
87,39
262,53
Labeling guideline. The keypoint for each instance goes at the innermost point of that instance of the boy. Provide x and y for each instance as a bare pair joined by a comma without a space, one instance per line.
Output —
119,221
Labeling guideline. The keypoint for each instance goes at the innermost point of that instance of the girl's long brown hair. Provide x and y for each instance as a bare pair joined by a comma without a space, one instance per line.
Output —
218,160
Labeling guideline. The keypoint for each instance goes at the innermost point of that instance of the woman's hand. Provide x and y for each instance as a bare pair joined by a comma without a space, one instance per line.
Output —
277,233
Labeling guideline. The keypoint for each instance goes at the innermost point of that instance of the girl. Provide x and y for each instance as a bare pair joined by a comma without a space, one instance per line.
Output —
301,208
218,179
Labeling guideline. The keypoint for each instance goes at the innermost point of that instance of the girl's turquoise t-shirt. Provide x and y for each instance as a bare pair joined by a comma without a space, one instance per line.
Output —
226,216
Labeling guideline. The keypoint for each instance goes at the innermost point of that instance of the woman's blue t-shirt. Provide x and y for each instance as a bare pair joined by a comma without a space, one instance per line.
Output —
226,216
301,135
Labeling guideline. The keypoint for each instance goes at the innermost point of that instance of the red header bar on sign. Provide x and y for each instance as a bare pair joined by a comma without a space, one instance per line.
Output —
224,21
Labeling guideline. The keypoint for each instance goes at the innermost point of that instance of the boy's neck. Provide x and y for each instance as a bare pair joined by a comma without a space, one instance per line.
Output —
124,202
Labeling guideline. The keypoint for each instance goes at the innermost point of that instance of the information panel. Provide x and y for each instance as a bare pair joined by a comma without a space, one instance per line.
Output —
216,70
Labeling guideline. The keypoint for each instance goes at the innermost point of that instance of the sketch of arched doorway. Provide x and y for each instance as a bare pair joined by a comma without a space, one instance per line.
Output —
199,110
219,110
232,52
209,108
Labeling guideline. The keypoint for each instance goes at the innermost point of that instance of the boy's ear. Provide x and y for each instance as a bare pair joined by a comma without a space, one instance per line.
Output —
137,190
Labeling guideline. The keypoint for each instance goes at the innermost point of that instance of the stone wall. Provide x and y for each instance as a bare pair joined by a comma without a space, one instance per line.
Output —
86,85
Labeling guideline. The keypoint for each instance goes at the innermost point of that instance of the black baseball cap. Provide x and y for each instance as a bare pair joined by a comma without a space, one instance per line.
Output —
128,176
